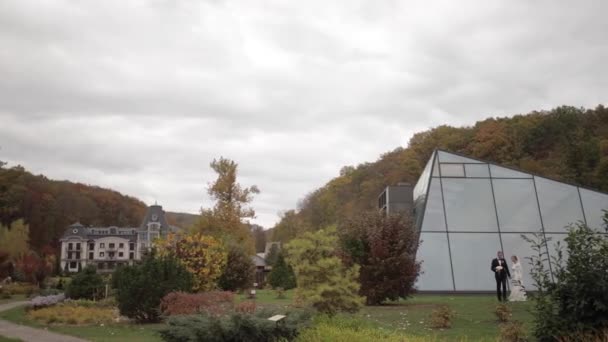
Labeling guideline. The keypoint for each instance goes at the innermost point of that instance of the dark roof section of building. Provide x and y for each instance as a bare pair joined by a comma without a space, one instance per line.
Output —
155,211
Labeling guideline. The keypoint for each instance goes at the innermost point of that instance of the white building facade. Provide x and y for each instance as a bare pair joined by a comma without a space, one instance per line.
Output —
109,247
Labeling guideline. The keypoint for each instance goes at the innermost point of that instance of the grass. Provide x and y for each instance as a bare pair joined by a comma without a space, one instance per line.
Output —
120,332
474,321
14,298
8,339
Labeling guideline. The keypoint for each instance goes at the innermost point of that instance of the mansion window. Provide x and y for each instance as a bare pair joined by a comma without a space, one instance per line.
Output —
120,254
78,246
131,255
101,254
102,245
90,255
91,246
121,245
111,254
70,246
73,264
132,246
112,245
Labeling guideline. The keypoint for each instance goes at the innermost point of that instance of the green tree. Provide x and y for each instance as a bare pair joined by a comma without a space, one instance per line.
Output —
239,271
282,274
140,288
259,235
323,281
273,255
385,248
86,284
229,218
575,302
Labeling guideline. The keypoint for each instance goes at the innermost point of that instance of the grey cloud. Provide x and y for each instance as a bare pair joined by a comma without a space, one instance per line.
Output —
141,95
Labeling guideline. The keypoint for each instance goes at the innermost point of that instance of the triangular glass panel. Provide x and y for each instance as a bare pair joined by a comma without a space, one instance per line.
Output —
446,157
503,172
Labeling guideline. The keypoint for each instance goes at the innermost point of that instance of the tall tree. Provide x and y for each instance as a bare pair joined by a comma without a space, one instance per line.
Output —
14,240
229,218
259,235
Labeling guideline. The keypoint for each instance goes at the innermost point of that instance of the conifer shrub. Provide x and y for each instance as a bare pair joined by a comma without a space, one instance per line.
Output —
140,288
86,285
282,274
235,327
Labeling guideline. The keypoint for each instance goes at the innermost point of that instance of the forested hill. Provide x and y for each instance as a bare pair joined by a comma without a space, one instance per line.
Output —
565,143
49,206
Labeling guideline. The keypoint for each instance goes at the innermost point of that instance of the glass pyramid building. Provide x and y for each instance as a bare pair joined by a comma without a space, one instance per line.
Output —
466,210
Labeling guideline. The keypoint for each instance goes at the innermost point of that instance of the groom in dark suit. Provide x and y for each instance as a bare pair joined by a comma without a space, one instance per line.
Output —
501,272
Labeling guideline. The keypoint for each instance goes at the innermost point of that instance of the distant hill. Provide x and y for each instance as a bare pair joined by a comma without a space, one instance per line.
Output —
566,143
49,206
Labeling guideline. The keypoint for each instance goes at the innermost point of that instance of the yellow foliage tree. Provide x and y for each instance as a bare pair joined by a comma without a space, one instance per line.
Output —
203,256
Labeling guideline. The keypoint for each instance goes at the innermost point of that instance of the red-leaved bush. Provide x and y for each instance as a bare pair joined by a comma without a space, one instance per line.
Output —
246,307
181,303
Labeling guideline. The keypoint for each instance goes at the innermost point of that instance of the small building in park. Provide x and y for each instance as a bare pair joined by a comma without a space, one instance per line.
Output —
109,247
467,209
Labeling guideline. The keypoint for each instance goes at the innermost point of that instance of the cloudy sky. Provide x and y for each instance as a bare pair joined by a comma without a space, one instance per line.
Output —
140,96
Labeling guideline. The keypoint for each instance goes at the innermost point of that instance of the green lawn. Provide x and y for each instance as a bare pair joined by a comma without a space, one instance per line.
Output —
7,339
109,333
474,321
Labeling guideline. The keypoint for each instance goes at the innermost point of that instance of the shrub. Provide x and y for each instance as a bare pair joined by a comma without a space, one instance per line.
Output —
20,289
441,318
73,314
282,274
234,328
503,313
86,284
323,281
512,332
212,303
141,287
45,301
239,270
577,300
246,307
385,248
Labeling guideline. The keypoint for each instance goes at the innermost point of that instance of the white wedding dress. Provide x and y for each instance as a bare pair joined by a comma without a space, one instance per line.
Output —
518,292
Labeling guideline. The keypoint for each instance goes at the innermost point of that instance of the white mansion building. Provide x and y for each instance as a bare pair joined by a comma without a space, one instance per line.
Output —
109,247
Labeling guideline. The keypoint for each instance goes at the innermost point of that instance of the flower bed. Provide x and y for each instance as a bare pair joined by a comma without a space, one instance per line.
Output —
74,315
213,303
46,301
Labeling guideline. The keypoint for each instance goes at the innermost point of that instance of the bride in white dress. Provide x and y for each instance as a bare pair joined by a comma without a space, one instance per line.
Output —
518,291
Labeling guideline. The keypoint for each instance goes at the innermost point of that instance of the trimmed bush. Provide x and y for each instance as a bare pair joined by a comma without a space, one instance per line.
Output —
86,284
213,303
512,332
441,318
503,313
237,327
141,287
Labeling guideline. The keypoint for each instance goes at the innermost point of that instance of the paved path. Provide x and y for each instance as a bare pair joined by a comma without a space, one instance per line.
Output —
29,334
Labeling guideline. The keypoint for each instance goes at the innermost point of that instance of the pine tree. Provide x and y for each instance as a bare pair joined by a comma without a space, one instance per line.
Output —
323,281
282,274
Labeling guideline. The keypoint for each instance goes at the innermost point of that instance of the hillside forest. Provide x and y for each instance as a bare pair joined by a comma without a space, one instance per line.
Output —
566,143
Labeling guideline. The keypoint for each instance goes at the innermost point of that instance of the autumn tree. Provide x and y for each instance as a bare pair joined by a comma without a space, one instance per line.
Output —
322,280
259,236
203,256
228,219
14,239
239,271
385,248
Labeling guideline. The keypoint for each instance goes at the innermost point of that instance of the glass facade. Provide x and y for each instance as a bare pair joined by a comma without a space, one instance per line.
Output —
466,210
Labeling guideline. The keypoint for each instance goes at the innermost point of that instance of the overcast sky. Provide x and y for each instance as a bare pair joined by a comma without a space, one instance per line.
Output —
139,96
